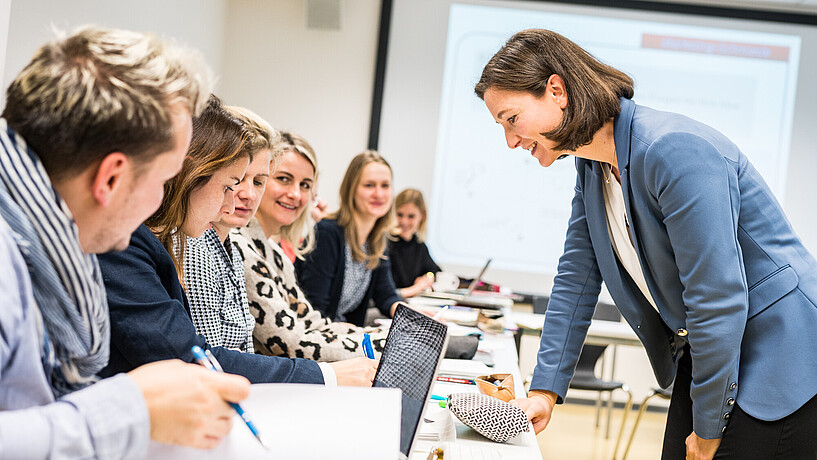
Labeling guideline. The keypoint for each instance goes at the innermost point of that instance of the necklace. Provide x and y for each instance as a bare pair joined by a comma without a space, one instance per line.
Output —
606,171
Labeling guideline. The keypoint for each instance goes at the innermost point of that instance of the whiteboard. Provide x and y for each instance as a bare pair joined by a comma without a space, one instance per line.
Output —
489,201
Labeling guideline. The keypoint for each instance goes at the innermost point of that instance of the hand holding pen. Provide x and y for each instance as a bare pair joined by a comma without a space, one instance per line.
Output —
206,359
186,402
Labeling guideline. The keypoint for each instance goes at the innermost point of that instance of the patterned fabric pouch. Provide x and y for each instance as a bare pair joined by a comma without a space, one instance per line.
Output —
499,386
490,417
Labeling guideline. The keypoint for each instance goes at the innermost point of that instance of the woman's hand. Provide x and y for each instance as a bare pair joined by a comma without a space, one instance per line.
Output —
538,406
319,210
355,372
421,283
701,449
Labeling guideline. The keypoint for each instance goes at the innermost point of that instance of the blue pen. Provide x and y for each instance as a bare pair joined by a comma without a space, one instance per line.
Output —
209,361
368,351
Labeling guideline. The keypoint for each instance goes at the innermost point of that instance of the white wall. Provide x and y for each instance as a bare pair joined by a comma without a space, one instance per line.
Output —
196,23
317,83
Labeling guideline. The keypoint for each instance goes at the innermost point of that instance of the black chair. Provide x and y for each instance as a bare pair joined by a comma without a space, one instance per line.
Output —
585,377
661,393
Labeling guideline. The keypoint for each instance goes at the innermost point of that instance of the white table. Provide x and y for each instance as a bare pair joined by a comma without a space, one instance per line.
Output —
524,446
599,332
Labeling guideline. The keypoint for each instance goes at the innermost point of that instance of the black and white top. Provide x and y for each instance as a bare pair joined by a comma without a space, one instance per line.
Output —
214,280
356,279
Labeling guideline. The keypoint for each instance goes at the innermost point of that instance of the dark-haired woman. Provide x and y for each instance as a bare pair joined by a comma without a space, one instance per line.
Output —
693,247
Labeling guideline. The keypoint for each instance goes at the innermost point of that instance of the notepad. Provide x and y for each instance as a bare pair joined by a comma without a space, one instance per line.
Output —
308,422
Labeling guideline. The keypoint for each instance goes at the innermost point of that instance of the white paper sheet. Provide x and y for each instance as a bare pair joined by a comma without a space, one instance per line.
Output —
308,422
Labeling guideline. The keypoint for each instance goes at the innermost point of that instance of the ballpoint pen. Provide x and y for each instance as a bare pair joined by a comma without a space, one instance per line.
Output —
368,351
440,313
206,359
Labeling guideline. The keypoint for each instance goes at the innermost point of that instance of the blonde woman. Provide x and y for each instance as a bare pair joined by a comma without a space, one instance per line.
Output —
286,323
349,266
411,264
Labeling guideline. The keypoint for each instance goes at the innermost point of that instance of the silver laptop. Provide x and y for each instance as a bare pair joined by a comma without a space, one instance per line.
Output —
468,299
411,357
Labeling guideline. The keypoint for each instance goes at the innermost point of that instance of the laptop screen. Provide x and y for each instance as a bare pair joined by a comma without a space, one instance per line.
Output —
414,347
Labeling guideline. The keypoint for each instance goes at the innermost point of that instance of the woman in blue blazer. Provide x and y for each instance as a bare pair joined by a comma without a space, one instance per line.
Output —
692,245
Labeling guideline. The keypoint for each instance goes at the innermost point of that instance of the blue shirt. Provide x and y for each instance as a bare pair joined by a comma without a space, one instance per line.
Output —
106,420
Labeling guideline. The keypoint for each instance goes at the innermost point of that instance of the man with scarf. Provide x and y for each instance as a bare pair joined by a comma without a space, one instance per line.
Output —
92,128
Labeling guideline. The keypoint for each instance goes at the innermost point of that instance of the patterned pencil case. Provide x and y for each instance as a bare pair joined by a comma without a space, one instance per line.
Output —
493,418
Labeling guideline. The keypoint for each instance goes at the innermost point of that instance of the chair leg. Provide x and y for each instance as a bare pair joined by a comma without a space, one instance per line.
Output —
640,414
627,408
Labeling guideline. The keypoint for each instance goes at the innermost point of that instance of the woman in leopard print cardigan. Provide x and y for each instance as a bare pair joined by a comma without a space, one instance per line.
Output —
286,323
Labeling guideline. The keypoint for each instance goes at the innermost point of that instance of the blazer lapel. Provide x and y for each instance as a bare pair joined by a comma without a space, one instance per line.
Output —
622,135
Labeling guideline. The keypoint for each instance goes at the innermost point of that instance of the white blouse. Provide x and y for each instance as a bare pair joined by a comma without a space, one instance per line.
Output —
619,230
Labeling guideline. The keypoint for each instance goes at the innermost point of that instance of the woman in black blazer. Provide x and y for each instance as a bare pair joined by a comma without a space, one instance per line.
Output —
349,266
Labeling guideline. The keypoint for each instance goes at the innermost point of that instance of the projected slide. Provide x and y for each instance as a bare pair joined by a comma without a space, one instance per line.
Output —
490,201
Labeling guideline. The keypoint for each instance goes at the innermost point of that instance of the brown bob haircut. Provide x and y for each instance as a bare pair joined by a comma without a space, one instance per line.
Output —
530,57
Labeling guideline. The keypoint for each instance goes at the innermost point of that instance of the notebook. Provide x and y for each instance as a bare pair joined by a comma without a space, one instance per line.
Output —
414,349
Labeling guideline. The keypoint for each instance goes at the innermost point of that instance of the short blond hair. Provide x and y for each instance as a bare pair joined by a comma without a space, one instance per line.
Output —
102,90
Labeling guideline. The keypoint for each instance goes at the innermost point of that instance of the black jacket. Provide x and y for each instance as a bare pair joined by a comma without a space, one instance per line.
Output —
321,276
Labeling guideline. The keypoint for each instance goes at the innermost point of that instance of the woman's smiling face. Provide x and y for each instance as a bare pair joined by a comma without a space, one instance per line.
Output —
524,117
289,190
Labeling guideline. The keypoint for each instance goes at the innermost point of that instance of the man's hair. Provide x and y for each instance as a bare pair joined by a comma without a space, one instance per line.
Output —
219,140
530,57
100,91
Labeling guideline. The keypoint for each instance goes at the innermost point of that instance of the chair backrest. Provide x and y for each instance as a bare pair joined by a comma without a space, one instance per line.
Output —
607,312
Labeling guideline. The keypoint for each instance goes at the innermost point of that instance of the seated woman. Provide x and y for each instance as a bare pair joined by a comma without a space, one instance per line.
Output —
286,323
349,266
213,272
412,267
150,317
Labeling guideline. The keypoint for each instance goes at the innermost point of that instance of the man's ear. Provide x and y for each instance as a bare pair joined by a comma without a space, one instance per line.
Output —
110,176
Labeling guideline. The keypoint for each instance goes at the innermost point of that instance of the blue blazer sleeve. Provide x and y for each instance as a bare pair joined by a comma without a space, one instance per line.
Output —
321,273
150,320
570,308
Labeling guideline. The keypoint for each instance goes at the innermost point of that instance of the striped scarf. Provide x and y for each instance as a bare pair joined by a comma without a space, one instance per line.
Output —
67,283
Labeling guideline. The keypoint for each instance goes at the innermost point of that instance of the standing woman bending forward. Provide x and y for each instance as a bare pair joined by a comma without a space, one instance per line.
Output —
694,249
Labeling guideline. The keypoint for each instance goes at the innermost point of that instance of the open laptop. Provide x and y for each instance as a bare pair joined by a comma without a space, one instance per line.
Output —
468,298
411,357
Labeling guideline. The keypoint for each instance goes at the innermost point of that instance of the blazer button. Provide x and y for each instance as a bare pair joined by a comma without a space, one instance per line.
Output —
723,430
726,415
733,386
730,401
682,332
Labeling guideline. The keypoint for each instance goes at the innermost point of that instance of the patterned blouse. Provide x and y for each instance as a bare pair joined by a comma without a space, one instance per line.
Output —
286,324
214,280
